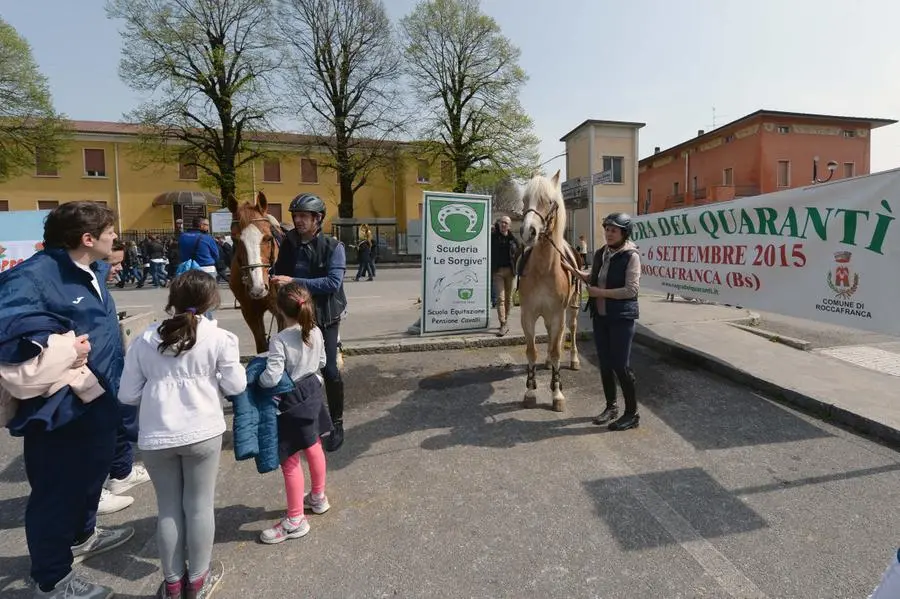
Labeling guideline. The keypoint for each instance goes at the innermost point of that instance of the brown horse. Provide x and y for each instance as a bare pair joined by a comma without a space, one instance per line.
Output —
256,242
546,289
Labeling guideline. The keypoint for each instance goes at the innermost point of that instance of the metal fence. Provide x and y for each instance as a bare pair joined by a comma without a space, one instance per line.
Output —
139,235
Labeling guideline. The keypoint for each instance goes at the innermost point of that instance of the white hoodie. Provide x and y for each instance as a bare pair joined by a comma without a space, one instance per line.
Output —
180,397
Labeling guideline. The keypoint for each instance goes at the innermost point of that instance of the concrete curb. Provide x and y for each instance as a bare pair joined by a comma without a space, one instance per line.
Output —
806,403
365,347
419,344
775,337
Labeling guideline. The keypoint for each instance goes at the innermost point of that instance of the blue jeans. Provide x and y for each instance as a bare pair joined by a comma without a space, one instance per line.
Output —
158,273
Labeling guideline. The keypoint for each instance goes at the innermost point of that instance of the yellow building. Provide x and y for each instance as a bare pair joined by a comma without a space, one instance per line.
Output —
102,165
601,176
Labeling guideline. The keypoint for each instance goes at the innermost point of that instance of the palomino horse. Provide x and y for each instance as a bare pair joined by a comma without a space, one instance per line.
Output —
546,289
257,237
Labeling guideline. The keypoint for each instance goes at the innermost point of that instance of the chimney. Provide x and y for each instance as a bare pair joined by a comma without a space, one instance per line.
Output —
656,150
700,132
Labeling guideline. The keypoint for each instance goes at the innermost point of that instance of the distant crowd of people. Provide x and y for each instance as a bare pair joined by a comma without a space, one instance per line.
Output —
156,257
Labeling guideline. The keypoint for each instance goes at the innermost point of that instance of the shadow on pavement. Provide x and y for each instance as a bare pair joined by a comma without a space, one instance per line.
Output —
706,420
631,508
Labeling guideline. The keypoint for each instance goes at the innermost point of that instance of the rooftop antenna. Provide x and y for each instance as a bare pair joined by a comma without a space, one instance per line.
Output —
714,117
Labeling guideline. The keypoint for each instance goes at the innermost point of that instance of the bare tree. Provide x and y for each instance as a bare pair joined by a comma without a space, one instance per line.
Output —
346,83
30,129
466,75
205,65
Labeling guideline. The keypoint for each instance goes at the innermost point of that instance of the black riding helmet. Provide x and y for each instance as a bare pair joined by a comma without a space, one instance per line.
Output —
308,202
620,220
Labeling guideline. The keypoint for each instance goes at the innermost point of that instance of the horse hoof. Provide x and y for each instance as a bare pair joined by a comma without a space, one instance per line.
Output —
559,405
576,365
530,400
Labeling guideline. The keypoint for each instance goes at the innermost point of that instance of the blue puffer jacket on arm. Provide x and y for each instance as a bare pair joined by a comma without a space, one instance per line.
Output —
255,413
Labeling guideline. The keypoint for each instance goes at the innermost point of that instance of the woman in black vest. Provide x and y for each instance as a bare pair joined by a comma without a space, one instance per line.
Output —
613,283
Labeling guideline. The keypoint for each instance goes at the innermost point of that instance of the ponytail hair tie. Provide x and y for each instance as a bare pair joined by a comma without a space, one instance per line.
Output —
191,311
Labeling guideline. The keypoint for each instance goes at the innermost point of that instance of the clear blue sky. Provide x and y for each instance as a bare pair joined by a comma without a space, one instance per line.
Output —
661,62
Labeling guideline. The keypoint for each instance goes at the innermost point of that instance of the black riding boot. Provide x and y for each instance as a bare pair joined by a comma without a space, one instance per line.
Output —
608,377
334,390
630,419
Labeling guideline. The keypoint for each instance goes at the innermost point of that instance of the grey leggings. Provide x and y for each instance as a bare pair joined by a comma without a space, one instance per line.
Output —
185,483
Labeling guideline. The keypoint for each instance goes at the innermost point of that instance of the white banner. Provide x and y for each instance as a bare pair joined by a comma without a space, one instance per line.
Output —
456,262
826,252
13,252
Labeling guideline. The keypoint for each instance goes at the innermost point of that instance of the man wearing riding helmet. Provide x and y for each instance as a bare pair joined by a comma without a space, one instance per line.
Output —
318,263
613,283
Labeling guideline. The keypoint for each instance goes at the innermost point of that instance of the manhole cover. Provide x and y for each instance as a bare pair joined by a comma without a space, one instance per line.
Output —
872,358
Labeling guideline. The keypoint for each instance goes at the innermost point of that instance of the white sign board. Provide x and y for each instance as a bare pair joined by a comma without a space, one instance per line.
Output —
14,252
824,252
21,236
456,262
220,221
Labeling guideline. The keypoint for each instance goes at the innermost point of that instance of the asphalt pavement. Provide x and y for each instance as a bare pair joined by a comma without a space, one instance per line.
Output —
447,487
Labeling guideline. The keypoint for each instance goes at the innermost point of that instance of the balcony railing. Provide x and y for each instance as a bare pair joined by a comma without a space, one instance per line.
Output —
745,191
674,200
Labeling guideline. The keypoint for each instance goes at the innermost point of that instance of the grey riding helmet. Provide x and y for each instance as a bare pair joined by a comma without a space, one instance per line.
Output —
308,202
620,220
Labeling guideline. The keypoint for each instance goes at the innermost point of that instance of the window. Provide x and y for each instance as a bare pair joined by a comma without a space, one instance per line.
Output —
648,201
94,163
728,176
446,171
4,205
675,188
614,164
47,204
274,210
44,165
783,129
187,166
784,173
695,184
424,175
849,133
309,171
272,170
849,170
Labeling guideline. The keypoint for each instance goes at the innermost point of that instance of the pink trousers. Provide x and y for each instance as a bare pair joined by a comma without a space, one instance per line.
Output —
293,477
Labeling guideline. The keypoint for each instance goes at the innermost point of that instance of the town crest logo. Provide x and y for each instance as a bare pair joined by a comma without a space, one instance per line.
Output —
839,279
457,220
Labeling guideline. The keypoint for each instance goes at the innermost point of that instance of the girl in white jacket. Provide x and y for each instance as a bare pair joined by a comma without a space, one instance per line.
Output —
178,373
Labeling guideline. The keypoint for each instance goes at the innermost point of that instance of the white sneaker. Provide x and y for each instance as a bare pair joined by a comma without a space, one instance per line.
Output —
110,503
138,476
75,587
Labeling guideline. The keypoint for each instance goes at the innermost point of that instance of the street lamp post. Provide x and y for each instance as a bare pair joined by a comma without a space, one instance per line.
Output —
832,166
551,159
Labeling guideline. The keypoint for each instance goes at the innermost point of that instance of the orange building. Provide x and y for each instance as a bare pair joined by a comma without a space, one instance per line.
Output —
763,152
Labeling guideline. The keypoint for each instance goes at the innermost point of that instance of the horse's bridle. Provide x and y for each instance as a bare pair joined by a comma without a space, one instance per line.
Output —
276,242
546,222
546,219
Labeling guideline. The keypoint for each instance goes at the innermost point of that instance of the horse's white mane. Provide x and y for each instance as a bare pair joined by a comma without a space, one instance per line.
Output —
540,194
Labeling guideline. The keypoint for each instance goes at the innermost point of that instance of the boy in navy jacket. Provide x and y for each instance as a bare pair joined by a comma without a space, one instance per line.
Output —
68,444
